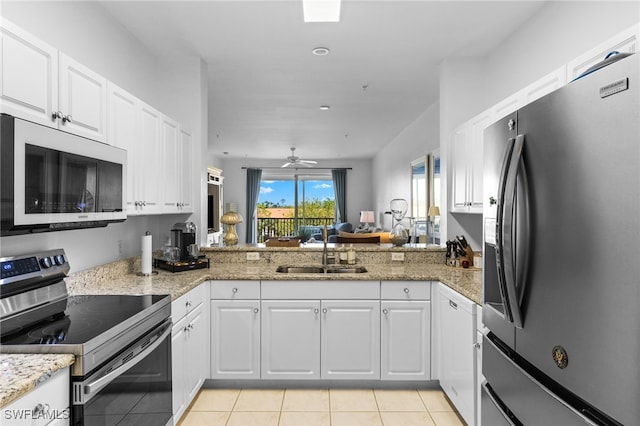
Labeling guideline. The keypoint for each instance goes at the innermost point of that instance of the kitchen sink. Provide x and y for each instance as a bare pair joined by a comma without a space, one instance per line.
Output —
321,270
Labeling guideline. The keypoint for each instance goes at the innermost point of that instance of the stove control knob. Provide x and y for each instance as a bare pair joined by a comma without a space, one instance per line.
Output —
45,262
60,259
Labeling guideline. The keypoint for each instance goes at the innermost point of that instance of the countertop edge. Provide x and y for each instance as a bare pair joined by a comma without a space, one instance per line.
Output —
22,373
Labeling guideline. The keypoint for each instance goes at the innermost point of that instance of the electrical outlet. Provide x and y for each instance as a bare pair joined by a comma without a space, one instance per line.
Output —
253,255
397,257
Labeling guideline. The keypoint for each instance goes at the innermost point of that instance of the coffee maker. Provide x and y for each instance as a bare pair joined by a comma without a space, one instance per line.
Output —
183,236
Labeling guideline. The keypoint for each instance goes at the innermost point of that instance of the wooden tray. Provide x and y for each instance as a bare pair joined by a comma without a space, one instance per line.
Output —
283,242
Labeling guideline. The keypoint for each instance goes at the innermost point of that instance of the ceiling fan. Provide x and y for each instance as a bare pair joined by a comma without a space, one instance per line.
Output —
294,161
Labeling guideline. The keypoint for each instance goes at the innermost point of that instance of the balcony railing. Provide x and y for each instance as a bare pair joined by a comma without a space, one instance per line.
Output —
269,227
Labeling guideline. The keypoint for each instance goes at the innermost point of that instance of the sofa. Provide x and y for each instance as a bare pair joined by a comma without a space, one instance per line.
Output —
315,231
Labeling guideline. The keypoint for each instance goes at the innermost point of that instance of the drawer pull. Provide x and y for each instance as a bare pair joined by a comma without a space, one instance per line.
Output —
235,290
316,311
324,310
453,304
385,311
256,310
406,290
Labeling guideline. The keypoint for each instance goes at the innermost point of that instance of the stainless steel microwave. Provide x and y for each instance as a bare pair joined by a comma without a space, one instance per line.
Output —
53,180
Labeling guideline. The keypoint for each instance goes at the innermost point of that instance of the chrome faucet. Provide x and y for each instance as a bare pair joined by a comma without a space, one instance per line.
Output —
325,254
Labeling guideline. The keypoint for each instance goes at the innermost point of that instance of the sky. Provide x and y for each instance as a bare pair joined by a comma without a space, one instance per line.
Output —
275,191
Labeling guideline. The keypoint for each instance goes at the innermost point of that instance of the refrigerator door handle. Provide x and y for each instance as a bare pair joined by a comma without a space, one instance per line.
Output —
499,247
513,256
499,406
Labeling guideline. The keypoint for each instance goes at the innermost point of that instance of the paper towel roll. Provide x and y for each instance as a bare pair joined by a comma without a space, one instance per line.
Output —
146,254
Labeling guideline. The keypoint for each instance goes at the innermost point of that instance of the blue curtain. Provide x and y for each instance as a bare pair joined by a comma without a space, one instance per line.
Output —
339,177
254,176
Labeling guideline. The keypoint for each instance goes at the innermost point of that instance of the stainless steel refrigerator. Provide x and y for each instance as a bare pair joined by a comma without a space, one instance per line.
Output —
561,278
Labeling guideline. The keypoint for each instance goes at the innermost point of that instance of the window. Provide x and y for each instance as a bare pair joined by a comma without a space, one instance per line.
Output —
287,205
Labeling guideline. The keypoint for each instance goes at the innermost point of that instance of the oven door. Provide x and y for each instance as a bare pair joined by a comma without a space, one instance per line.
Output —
134,388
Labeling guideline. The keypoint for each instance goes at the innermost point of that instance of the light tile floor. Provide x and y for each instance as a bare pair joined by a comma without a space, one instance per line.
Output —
321,407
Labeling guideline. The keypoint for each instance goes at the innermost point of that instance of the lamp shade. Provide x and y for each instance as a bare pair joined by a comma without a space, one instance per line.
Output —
434,211
367,216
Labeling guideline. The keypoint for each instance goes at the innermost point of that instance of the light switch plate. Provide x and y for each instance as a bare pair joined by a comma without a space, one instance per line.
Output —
253,255
397,257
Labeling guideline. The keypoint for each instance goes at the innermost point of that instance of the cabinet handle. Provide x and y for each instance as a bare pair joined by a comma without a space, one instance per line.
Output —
188,304
186,328
66,119
235,290
39,410
316,311
324,310
256,310
453,304
56,115
406,290
385,311
476,345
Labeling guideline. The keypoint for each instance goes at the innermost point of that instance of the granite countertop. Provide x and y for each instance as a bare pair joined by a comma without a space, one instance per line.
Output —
22,373
466,282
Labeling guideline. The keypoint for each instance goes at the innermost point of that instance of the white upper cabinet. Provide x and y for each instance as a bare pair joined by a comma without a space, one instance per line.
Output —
148,161
186,175
43,85
170,133
625,42
467,144
122,131
28,76
82,100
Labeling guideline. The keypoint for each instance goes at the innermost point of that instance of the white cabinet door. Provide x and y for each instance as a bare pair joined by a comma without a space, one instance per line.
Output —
122,131
467,145
459,155
171,158
82,100
457,353
290,339
186,175
28,76
405,347
148,161
350,341
235,339
197,351
178,366
47,404
475,152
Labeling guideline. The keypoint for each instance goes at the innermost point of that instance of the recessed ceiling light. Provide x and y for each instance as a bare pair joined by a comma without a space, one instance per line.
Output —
324,107
321,51
321,10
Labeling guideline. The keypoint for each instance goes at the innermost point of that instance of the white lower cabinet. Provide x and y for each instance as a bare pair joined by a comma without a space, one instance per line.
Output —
290,339
405,330
350,340
47,404
456,350
235,339
189,347
235,329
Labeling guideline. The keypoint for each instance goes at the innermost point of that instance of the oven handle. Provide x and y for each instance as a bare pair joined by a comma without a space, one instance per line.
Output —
90,389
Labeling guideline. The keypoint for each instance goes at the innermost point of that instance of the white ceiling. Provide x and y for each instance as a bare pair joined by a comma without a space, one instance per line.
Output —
265,85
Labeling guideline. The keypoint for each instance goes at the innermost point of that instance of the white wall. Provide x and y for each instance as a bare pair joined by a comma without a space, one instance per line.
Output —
392,177
84,31
359,185
560,32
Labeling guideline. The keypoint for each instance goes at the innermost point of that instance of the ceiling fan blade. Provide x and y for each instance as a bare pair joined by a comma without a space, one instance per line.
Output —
286,165
308,161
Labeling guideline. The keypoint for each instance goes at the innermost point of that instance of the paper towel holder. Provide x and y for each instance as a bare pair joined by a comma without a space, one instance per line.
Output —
153,272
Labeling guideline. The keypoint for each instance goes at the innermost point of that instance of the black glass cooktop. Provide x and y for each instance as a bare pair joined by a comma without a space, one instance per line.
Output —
77,320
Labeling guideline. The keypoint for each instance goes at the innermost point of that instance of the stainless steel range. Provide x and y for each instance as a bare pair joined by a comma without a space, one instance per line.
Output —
121,343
